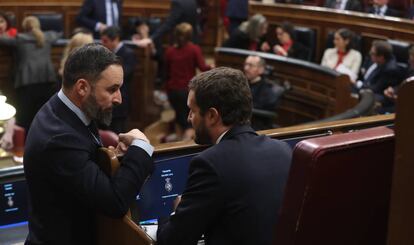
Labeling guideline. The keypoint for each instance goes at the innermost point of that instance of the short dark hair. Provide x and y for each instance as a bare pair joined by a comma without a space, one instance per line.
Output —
382,48
346,34
112,32
287,27
227,90
87,62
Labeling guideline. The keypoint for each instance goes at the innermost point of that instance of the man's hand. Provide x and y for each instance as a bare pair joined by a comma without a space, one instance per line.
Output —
125,140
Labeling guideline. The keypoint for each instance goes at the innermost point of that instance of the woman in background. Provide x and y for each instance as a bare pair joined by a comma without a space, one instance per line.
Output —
343,58
6,26
181,61
249,34
78,40
35,76
286,43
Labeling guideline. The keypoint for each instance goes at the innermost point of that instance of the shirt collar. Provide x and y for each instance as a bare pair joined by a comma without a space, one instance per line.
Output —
221,137
118,47
74,108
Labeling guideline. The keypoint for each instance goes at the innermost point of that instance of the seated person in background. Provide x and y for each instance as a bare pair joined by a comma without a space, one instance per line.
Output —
380,8
235,187
343,58
6,26
354,5
286,44
78,40
111,39
96,15
249,34
265,94
382,71
391,93
181,61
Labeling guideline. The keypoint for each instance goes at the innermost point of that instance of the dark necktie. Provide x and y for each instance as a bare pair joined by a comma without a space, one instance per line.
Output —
95,133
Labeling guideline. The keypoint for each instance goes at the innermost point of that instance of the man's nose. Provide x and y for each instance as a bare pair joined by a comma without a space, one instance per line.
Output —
117,98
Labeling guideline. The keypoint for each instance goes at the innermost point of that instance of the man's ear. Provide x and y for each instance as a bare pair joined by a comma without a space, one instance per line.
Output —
212,117
82,88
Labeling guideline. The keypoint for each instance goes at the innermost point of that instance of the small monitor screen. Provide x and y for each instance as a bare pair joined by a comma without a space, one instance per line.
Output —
166,182
13,203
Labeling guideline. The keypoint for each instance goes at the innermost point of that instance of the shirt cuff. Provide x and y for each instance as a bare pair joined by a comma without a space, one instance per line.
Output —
97,26
149,149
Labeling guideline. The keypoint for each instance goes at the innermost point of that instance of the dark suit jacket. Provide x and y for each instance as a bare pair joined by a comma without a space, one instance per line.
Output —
237,9
180,11
389,74
354,5
94,11
233,192
66,187
410,13
388,12
129,61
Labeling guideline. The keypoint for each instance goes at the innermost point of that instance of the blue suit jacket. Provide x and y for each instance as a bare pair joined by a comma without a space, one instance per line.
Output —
233,192
66,187
94,11
237,9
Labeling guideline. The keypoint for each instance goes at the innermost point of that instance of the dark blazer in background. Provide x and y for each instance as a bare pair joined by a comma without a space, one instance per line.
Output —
66,188
388,74
94,11
180,11
233,192
120,113
410,13
388,12
354,5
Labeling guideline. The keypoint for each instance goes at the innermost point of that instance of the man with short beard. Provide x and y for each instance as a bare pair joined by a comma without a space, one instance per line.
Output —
66,187
235,187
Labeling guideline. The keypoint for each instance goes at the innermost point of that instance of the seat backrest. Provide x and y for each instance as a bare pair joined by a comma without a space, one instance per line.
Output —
338,190
50,21
108,138
306,36
401,218
400,50
357,41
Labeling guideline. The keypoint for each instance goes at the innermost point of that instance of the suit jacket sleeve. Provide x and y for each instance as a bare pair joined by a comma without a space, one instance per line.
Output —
84,16
171,21
75,173
199,207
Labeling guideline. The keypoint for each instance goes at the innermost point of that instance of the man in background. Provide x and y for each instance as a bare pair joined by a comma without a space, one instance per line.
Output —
97,15
265,94
111,38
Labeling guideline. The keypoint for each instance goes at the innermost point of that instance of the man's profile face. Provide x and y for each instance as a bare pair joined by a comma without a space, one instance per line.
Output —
108,43
252,69
104,95
202,135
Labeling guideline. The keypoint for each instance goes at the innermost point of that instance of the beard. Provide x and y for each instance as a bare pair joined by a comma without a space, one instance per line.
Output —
202,136
94,112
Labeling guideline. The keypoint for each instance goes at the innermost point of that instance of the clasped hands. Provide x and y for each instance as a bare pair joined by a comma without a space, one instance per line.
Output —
126,139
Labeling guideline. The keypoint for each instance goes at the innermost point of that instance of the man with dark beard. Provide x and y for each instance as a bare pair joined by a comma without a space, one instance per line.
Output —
66,187
235,187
